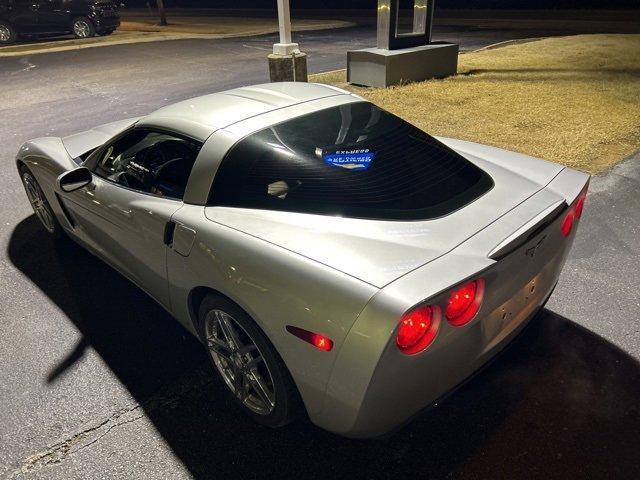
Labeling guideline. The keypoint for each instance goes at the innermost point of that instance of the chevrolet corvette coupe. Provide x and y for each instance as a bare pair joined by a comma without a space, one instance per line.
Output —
331,257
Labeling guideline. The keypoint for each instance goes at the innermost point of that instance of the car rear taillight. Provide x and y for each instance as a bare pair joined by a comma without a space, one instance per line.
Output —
574,213
464,302
567,223
579,205
418,328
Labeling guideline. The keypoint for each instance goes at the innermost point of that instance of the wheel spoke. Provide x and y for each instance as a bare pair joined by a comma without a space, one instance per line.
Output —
253,363
46,217
219,347
228,331
239,384
240,362
258,384
36,198
250,347
31,191
5,34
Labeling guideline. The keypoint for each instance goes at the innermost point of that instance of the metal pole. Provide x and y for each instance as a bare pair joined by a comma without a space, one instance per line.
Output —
286,63
284,21
285,46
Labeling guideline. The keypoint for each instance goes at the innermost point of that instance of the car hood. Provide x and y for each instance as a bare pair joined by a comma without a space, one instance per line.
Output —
378,252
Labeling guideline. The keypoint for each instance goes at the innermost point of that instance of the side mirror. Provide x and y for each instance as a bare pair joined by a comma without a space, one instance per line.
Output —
74,179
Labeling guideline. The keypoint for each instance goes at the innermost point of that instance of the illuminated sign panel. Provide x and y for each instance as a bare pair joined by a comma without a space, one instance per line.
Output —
358,159
404,23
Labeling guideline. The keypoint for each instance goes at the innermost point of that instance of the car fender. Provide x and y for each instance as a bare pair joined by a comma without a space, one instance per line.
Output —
47,158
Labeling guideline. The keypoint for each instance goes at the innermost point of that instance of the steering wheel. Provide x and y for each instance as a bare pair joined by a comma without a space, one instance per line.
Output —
158,171
142,168
128,180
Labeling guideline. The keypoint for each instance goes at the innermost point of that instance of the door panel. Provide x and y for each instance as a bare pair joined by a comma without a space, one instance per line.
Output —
53,16
138,184
24,16
126,228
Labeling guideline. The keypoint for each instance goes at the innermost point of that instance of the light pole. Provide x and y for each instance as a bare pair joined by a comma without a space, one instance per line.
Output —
287,63
286,46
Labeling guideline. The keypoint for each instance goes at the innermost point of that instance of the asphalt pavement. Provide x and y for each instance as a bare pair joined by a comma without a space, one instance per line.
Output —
97,381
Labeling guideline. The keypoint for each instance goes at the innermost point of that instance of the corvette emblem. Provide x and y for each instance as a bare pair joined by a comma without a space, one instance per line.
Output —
531,251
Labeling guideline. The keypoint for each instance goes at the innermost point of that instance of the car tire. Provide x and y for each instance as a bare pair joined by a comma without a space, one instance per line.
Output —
8,34
82,27
274,375
40,204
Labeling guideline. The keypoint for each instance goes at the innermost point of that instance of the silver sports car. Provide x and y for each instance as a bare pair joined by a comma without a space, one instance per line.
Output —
331,257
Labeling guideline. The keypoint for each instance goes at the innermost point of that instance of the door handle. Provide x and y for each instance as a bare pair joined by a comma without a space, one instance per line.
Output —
169,230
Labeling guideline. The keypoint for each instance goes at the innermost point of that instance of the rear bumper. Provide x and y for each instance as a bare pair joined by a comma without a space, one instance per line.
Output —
403,386
489,358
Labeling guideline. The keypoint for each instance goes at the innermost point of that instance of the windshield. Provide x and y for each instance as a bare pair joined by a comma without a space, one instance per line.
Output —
354,160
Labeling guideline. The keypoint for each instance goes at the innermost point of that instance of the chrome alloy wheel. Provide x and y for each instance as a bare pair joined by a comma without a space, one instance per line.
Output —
240,362
38,202
5,33
81,28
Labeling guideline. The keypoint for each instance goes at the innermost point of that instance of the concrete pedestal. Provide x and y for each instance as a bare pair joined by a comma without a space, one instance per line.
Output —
288,68
376,67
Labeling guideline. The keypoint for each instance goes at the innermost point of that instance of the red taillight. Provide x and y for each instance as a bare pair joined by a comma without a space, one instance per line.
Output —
574,213
318,340
464,303
579,206
567,223
418,328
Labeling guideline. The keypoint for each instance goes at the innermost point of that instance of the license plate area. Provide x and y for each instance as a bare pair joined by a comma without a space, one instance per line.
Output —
533,276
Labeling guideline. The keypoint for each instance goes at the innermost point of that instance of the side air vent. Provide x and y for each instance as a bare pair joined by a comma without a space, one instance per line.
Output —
66,212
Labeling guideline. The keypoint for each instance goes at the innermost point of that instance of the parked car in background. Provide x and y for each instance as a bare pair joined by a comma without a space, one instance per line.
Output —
39,18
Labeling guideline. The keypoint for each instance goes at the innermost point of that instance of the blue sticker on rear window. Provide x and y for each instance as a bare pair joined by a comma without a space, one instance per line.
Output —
358,159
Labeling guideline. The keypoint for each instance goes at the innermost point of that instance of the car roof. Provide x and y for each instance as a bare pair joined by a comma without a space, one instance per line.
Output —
199,117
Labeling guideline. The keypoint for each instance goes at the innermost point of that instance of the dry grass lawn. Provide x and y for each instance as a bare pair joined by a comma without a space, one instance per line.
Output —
573,100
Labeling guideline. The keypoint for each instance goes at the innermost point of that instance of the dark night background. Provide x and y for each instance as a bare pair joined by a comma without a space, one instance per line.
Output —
495,4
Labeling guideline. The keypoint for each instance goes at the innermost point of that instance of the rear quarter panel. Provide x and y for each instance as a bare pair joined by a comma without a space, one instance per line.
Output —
276,288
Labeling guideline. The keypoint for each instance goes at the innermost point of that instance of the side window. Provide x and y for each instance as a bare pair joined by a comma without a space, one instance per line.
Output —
152,162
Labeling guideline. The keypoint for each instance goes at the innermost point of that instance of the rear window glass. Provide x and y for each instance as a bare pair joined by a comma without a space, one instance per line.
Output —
354,160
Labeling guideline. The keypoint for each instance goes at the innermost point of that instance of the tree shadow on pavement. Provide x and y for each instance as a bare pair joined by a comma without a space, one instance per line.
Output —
559,402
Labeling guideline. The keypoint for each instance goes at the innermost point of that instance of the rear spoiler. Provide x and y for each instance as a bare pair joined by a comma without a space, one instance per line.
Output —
567,184
529,230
